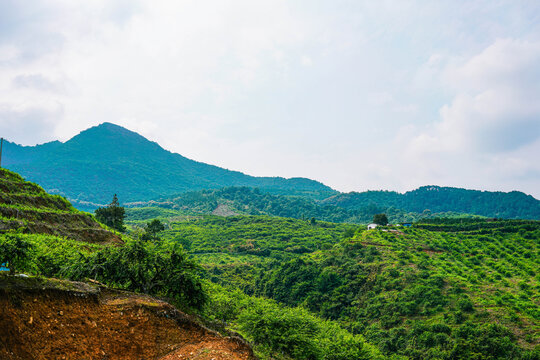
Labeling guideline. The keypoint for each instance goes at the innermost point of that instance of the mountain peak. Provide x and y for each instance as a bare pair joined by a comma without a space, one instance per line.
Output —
109,124
109,158
107,137
105,129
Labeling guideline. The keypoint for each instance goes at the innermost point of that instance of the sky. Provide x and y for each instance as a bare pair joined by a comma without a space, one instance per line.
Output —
360,95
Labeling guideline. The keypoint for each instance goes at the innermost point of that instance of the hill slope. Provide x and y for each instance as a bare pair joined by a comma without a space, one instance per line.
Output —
352,207
109,159
510,205
447,289
45,318
52,319
26,205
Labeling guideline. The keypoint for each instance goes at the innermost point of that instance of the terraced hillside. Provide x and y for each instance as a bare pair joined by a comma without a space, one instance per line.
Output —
26,206
42,317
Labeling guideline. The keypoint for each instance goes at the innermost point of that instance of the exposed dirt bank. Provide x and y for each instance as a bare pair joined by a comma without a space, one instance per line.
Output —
50,319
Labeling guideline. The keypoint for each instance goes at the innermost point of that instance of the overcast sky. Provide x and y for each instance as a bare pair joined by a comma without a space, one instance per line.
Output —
357,94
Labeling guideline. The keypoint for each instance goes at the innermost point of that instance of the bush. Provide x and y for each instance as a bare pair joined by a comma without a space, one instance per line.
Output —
291,331
147,268
466,305
15,251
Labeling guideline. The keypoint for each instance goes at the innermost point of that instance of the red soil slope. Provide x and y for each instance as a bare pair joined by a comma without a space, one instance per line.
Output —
85,323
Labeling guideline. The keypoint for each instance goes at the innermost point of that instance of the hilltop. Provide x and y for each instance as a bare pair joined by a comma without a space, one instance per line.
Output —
498,204
108,159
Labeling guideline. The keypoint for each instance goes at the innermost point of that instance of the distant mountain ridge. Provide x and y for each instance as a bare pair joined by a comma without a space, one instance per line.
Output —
108,159
425,202
512,205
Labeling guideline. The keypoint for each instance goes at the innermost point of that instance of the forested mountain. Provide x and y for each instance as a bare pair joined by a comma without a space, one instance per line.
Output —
355,207
109,159
510,205
250,201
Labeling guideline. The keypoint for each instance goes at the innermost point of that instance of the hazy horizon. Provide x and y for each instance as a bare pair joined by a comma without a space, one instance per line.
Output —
269,175
357,95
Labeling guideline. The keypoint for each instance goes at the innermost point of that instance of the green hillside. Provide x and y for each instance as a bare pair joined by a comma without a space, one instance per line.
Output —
26,206
159,268
109,159
511,205
443,289
424,294
305,289
250,201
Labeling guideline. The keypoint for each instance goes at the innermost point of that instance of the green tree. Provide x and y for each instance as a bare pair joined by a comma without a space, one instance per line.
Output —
112,215
380,219
145,267
152,229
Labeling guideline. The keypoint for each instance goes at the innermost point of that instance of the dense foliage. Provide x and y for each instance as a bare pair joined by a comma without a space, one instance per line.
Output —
14,252
164,269
234,247
512,205
160,266
305,288
250,201
470,290
420,299
137,266
284,332
380,219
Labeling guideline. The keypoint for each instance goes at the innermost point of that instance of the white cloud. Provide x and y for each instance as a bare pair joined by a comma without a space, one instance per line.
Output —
38,82
306,60
509,63
489,132
494,108
24,122
380,98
